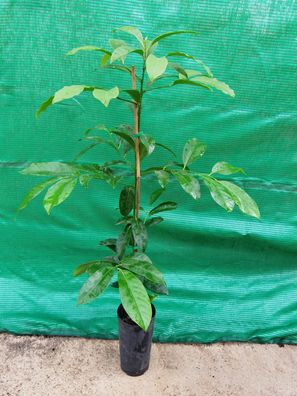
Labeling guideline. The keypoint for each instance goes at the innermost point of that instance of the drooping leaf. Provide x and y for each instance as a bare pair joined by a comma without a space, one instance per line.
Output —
153,221
82,268
123,241
141,265
162,207
68,92
118,67
139,233
135,299
44,106
193,150
178,68
224,168
36,190
154,287
88,48
188,183
163,177
155,195
214,83
241,198
147,146
86,149
219,193
126,202
198,61
96,284
155,66
191,82
58,192
105,96
166,148
168,34
134,93
126,136
50,169
110,243
133,31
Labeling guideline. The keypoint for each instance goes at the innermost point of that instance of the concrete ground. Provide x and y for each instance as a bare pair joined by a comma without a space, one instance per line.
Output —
62,366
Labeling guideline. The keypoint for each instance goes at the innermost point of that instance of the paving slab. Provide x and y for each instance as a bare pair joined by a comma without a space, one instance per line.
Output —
69,366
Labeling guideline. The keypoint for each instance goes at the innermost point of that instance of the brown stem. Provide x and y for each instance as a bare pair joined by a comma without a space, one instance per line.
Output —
137,156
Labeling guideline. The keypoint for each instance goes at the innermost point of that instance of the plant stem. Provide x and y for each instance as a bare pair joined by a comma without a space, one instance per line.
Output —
137,156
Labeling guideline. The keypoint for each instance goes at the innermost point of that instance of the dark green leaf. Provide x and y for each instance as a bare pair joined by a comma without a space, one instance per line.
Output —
155,66
219,193
127,137
86,149
193,150
245,203
110,243
58,192
96,284
224,168
147,146
168,34
178,68
166,148
126,202
156,288
163,207
163,177
88,48
153,221
36,190
139,232
155,195
188,183
124,220
123,241
134,93
44,106
50,169
135,299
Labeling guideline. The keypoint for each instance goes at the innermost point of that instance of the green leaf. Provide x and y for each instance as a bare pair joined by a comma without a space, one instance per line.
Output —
126,136
126,202
214,83
36,190
44,106
135,299
110,243
121,52
191,82
169,205
115,43
105,58
96,284
118,67
141,265
193,150
86,149
82,268
50,169
198,61
123,241
188,183
163,177
139,233
245,203
147,146
134,93
105,96
224,168
166,148
153,221
88,48
133,31
168,34
155,195
155,66
179,69
58,192
68,92
219,193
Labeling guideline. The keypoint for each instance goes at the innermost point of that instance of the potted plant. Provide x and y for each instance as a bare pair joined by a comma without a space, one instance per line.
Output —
138,279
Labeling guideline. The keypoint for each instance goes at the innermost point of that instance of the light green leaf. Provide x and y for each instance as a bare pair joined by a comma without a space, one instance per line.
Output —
193,150
190,73
169,205
155,195
36,190
215,83
121,53
96,284
191,82
105,58
168,34
106,96
139,233
88,48
198,61
163,177
58,192
224,168
155,66
141,265
133,31
115,43
44,106
68,92
135,299
82,268
126,202
245,203
219,193
188,183
50,169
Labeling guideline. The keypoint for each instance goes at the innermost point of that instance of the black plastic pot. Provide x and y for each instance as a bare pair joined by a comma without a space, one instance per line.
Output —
135,344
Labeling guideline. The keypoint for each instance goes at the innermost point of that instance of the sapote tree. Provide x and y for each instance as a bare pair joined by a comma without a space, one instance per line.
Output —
138,279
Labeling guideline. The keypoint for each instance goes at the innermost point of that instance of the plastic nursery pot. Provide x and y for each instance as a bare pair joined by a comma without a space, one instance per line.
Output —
135,344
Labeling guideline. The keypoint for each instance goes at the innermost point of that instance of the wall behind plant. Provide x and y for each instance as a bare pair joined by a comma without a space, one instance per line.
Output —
230,277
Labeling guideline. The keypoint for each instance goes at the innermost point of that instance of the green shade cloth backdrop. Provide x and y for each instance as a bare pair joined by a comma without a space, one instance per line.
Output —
230,277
